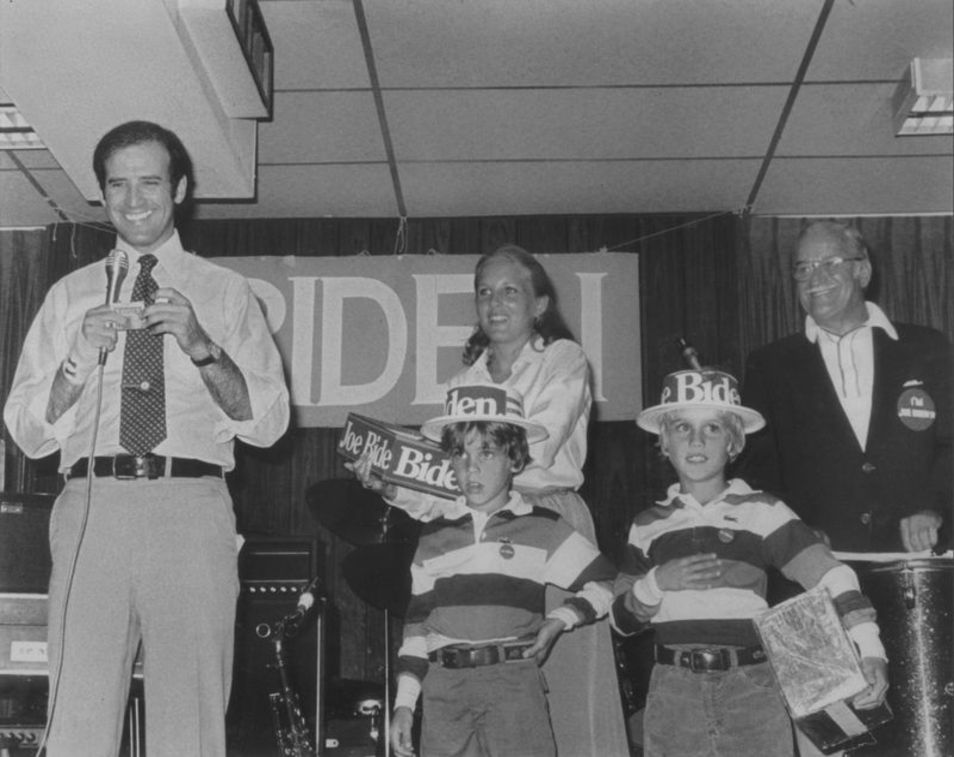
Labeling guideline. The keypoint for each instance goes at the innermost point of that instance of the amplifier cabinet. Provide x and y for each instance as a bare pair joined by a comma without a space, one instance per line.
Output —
25,542
273,571
23,634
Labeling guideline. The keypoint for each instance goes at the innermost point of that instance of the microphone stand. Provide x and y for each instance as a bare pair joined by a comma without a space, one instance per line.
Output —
292,738
387,656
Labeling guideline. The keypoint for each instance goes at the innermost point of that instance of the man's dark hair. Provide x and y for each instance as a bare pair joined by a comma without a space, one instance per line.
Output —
507,436
138,132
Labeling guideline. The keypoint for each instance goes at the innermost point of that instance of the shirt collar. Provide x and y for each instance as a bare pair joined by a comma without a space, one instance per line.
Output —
534,349
165,254
516,505
674,498
876,319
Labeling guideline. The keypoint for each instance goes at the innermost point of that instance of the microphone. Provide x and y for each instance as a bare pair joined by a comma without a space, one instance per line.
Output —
690,355
117,263
306,600
288,625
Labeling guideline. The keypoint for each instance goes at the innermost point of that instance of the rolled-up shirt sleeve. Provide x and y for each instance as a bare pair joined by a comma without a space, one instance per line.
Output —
251,347
45,347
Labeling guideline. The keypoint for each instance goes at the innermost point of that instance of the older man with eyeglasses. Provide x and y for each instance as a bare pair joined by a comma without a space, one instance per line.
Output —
858,409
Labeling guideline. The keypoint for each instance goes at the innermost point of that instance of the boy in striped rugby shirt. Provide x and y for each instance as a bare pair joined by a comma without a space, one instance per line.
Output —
695,569
475,631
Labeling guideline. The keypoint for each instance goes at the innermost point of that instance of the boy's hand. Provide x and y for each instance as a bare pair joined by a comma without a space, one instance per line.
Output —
370,481
693,572
546,638
876,673
401,724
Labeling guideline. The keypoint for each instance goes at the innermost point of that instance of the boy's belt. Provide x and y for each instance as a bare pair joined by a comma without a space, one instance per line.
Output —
459,656
147,466
709,660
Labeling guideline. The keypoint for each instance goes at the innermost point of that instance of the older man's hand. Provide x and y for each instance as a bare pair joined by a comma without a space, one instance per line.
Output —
919,531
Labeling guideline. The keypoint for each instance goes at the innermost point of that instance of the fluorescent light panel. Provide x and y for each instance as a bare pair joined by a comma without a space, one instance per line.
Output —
924,102
15,132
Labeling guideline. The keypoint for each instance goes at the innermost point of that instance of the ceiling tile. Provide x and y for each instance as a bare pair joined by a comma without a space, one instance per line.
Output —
584,123
311,127
877,39
847,186
851,119
420,43
314,191
576,188
317,45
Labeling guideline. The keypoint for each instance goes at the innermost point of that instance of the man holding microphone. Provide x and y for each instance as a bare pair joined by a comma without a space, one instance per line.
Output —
144,403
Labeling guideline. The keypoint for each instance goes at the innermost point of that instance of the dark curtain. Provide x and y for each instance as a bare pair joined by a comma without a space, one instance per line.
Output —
721,282
913,260
687,289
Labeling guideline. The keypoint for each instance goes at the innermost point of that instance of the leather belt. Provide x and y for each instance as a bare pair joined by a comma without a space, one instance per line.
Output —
146,466
472,657
709,660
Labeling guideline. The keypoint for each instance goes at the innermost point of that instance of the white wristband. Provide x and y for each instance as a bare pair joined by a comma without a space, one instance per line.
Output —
868,640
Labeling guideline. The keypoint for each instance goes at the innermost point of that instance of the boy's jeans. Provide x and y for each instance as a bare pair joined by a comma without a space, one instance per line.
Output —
735,713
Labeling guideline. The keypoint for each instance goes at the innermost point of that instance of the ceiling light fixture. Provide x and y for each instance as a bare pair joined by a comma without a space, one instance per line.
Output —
924,101
15,132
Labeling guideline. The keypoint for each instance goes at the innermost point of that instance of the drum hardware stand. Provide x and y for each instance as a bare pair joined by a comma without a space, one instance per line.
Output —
908,590
387,657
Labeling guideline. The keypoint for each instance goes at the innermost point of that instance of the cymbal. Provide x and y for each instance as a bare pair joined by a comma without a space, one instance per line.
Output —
380,574
357,515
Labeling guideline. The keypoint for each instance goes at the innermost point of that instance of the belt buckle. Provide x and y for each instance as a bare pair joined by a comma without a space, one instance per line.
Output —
513,651
133,467
703,660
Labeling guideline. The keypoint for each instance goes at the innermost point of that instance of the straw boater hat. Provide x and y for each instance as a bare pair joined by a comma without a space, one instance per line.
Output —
483,402
709,388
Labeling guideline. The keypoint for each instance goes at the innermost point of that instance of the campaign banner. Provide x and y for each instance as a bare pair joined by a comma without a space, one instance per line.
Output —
379,335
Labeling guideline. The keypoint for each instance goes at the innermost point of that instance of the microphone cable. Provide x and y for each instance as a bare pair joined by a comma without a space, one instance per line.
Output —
54,682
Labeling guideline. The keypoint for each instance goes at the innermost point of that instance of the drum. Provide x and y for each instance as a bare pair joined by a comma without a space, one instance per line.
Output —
354,718
913,599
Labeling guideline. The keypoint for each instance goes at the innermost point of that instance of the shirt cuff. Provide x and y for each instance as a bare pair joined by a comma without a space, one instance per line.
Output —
565,614
408,690
868,640
647,591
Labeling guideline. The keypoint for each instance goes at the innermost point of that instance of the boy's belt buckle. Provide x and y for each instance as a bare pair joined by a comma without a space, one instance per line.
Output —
705,660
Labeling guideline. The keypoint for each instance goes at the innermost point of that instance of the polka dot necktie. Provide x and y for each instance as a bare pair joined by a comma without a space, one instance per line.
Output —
142,413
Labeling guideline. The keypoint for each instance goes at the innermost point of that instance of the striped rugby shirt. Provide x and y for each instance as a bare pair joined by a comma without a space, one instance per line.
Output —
479,579
750,531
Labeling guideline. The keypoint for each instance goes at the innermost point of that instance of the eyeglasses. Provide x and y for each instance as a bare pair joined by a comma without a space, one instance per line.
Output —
803,269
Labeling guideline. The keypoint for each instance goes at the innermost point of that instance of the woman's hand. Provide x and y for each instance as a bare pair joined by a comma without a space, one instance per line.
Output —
693,572
370,480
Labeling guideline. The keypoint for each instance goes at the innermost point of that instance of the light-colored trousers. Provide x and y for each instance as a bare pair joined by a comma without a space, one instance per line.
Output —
157,563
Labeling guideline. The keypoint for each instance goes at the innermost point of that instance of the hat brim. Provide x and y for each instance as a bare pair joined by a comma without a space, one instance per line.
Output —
649,419
433,428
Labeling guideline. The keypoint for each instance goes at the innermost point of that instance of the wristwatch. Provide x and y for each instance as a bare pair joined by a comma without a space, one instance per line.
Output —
215,352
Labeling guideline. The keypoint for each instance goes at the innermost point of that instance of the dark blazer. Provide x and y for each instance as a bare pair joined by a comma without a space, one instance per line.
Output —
808,454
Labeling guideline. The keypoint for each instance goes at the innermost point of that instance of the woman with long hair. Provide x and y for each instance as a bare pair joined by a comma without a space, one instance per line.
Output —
522,341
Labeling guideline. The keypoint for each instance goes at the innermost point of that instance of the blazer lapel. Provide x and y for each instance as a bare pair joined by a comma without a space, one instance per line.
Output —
812,377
